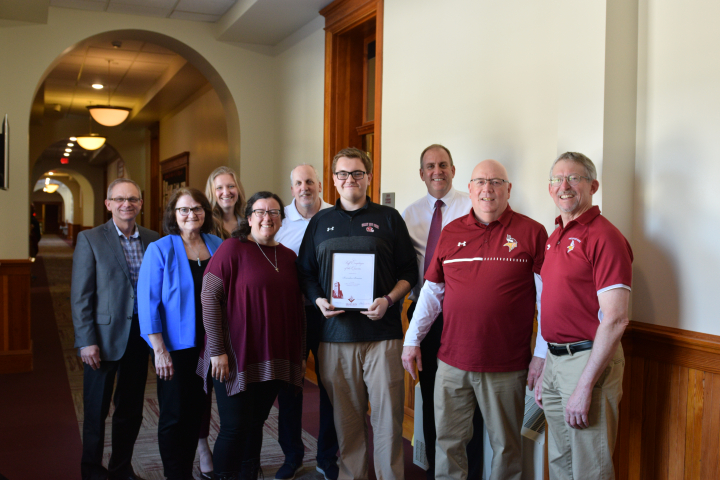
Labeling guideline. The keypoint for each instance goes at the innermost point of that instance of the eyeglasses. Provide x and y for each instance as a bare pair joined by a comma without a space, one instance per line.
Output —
185,211
261,213
572,180
343,175
494,182
132,200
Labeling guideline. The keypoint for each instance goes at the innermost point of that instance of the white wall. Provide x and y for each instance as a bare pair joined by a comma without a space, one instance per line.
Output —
516,81
198,128
677,200
246,75
300,93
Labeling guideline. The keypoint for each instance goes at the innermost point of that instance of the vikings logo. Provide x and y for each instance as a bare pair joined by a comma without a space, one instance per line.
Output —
511,243
571,247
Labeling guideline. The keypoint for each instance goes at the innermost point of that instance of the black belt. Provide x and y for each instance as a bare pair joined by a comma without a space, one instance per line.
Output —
570,348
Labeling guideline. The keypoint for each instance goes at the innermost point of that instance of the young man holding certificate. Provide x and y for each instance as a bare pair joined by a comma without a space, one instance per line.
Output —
363,250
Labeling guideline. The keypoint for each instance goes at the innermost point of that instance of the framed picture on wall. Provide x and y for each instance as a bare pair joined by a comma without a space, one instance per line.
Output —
174,174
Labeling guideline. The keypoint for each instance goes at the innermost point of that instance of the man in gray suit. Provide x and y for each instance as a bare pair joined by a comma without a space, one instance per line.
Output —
106,263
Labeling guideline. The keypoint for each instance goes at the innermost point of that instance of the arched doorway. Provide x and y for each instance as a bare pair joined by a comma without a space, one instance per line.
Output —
161,79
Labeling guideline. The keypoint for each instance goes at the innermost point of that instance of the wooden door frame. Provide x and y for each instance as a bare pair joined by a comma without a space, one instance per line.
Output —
341,16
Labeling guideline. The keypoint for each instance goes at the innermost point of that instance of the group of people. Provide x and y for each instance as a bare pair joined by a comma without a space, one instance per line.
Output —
238,293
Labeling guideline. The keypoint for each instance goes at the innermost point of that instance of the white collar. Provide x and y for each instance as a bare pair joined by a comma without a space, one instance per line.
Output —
293,215
134,235
447,199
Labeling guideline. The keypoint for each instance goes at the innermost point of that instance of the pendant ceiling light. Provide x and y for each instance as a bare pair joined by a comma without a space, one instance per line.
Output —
106,114
50,187
91,141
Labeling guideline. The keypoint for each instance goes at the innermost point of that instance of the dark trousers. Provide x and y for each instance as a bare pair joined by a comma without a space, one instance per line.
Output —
290,402
428,350
181,400
131,371
242,417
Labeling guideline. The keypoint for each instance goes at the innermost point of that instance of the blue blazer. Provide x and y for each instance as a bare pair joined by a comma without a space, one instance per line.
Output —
166,294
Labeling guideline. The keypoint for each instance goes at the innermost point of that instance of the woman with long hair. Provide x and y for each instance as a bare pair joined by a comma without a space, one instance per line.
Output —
227,199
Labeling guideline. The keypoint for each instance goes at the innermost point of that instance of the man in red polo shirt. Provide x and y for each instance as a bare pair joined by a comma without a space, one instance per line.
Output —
586,288
484,277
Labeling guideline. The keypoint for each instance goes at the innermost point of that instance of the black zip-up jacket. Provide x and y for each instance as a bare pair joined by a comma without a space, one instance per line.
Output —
374,229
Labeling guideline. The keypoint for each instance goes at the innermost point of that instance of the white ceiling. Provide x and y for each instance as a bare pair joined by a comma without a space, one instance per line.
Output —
197,10
135,68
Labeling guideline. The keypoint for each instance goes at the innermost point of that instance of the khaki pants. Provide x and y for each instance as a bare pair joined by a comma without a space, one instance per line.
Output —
353,374
587,453
501,397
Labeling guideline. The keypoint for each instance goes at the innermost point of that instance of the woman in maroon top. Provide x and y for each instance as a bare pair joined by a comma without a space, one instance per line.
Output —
254,319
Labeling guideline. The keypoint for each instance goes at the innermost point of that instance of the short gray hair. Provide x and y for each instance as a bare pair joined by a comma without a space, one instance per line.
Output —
304,165
118,181
581,159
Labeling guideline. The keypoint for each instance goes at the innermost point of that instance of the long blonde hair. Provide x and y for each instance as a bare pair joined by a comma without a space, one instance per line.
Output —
217,212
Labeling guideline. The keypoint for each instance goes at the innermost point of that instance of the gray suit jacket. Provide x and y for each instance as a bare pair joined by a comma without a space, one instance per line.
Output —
101,293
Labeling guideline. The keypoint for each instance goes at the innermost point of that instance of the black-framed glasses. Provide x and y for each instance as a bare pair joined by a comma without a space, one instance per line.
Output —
557,180
132,200
494,182
261,213
185,211
357,174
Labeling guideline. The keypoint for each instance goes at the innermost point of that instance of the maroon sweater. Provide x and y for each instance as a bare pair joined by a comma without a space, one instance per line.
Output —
253,314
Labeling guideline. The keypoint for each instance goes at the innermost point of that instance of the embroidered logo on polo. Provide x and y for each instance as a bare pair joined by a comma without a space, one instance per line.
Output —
462,244
370,227
511,243
571,247
330,228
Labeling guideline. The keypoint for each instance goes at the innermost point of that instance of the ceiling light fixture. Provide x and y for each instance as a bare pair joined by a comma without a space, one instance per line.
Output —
50,187
68,150
66,154
97,86
91,141
70,144
72,139
106,114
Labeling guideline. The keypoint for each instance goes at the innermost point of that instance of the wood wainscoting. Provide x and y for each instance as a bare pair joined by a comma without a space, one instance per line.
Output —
15,342
670,411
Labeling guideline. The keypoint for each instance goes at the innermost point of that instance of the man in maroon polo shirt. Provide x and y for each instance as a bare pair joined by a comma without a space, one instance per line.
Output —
586,288
484,277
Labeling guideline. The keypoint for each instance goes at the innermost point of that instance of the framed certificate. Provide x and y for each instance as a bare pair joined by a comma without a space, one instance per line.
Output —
352,285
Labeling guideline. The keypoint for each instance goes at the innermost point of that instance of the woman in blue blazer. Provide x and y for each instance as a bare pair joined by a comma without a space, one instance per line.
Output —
171,323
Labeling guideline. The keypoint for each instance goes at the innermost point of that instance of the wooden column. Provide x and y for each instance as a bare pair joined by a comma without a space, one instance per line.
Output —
15,341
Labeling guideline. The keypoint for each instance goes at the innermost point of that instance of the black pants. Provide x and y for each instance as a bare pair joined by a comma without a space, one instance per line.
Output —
290,402
131,371
181,401
428,350
242,417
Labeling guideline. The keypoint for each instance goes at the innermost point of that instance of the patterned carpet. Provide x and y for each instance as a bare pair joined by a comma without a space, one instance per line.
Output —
57,257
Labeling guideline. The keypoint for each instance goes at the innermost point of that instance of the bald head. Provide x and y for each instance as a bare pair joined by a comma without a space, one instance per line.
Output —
489,201
306,188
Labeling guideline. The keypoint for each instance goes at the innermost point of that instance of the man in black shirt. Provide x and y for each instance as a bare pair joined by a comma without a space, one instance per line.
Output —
360,350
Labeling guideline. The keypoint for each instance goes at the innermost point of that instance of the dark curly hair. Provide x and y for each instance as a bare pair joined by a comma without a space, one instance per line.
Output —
170,225
243,229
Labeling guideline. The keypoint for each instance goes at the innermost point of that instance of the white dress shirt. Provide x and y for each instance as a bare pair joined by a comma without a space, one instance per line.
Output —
418,217
293,227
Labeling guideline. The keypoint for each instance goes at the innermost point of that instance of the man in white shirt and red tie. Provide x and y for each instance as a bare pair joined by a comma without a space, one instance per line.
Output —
425,218
484,277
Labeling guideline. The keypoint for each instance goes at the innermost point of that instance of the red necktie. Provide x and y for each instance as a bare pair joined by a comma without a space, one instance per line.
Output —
434,234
